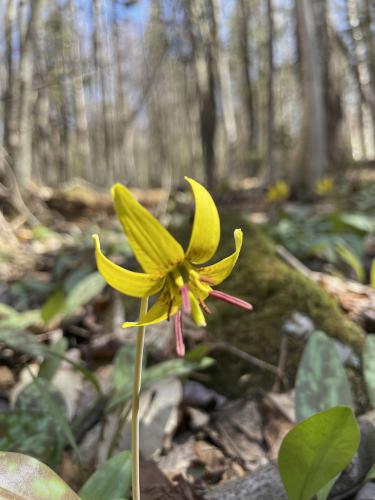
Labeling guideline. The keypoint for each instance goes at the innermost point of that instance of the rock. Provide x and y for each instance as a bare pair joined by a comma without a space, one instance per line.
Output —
265,482
367,492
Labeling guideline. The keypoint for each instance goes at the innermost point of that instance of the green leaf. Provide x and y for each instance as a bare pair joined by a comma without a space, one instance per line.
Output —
316,450
19,321
54,305
38,482
55,411
321,379
84,291
111,481
368,361
325,491
65,304
370,476
51,364
351,260
123,367
32,432
372,274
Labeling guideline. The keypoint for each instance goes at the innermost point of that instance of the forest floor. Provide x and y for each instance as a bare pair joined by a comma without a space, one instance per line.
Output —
60,335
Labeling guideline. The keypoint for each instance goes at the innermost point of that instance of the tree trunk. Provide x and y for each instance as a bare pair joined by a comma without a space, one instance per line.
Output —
313,158
22,155
271,167
247,91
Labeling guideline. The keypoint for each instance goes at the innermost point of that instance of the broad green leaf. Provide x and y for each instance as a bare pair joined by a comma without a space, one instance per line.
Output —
84,291
358,221
316,450
51,364
54,409
351,260
111,481
321,379
33,433
38,482
370,476
19,321
368,361
65,304
123,367
325,491
54,305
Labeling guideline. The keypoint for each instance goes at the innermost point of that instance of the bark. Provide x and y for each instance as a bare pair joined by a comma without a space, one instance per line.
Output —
313,158
226,94
103,70
271,167
201,33
22,154
81,125
247,90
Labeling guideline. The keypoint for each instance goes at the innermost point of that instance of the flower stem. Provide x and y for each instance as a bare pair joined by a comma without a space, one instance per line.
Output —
135,403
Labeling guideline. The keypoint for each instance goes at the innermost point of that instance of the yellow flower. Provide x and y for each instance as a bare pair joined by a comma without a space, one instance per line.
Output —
324,186
177,275
278,192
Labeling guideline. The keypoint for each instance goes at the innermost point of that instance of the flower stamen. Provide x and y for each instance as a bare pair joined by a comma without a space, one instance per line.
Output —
231,300
180,346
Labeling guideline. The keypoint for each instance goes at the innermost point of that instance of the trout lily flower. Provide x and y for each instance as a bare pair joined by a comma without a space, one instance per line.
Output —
177,275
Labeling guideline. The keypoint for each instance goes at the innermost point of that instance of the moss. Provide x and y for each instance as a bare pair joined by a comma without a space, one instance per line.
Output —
276,292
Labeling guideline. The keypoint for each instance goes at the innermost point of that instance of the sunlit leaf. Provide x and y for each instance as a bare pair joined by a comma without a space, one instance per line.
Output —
321,379
38,481
372,274
111,481
316,450
53,306
351,260
368,359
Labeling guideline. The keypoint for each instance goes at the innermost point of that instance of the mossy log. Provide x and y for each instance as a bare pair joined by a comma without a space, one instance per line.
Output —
277,292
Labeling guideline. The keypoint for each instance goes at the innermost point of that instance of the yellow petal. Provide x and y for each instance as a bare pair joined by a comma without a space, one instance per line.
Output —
158,312
154,247
205,235
127,282
218,272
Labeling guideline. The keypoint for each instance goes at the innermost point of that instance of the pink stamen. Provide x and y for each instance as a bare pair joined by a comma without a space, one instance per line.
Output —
180,346
231,300
186,306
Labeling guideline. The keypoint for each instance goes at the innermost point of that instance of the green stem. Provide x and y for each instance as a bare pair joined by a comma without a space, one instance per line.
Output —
135,402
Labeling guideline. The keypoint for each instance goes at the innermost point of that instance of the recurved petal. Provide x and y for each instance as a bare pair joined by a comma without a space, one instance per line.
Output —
160,311
123,280
205,235
154,247
218,272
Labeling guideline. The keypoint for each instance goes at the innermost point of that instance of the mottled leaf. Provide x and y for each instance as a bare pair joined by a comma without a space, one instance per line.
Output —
111,481
368,359
33,433
64,304
51,364
25,478
321,379
316,450
123,367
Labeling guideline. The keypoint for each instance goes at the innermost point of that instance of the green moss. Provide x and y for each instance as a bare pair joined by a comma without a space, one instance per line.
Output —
276,292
